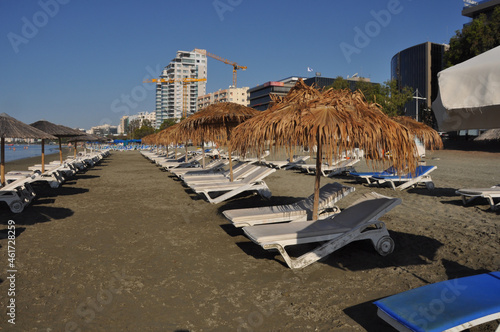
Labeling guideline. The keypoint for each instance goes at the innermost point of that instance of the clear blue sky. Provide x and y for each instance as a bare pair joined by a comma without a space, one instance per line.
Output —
76,62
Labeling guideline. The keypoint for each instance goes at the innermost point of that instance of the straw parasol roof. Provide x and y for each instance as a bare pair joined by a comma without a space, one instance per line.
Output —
423,132
215,123
57,130
12,128
334,121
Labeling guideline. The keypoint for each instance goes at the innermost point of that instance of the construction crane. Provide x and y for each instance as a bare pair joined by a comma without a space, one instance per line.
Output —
185,82
216,57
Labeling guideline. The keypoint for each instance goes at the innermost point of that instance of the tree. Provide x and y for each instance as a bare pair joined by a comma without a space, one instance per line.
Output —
132,126
481,35
339,83
145,129
388,95
167,123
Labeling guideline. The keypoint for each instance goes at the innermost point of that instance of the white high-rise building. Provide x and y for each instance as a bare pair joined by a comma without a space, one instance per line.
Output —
170,96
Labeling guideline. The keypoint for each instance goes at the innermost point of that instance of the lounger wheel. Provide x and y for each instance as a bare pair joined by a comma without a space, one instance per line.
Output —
429,185
16,206
385,245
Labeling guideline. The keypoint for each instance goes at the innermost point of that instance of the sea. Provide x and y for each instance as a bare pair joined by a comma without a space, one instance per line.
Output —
21,151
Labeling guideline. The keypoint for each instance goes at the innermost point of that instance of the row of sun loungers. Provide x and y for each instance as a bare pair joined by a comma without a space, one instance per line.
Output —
214,183
18,191
278,227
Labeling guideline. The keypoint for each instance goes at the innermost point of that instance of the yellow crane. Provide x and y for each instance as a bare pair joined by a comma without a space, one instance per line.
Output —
185,81
216,57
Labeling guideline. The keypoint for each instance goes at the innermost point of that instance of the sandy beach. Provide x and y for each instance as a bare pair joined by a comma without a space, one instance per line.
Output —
126,247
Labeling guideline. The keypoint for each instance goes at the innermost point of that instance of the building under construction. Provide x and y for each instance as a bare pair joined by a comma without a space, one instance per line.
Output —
180,84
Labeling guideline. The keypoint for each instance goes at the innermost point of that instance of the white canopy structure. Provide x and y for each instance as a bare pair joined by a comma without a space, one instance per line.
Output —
469,94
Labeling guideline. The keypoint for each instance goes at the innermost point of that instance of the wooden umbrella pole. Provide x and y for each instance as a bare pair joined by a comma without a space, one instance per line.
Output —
60,151
203,152
43,155
186,149
2,166
291,154
230,164
75,148
319,157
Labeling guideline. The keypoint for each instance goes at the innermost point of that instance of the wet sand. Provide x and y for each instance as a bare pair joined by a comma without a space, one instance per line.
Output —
126,247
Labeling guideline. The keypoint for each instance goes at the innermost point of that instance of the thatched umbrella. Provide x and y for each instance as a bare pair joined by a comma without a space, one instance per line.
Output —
56,130
12,128
215,123
333,121
429,137
83,138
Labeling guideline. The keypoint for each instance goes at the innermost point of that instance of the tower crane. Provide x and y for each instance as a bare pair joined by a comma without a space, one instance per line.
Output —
216,57
185,82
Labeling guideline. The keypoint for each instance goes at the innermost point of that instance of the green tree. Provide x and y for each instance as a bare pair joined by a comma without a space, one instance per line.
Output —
339,83
167,123
145,129
392,98
481,35
132,127
388,95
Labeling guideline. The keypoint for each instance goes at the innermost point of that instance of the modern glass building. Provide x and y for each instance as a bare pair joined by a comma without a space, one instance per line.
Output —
170,95
417,67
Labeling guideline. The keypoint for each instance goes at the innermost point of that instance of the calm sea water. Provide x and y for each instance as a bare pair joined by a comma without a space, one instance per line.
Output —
20,151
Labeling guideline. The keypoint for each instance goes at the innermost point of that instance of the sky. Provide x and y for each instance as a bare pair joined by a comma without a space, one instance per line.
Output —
81,63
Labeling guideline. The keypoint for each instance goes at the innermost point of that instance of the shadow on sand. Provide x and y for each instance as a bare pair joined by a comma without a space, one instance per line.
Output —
409,250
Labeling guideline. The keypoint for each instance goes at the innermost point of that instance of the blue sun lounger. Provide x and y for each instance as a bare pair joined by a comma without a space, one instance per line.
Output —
421,176
360,176
452,305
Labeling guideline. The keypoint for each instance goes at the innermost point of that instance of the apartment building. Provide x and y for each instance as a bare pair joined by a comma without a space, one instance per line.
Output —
233,95
174,98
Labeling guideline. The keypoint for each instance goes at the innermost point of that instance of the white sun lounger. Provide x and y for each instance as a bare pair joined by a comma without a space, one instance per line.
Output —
253,182
406,181
173,164
352,224
451,305
470,194
287,164
329,194
17,194
238,174
212,167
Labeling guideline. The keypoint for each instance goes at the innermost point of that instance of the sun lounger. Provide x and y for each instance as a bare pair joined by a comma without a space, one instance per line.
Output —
352,224
253,182
343,166
340,166
210,168
329,194
287,164
421,176
238,174
490,194
174,164
17,194
367,176
452,305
